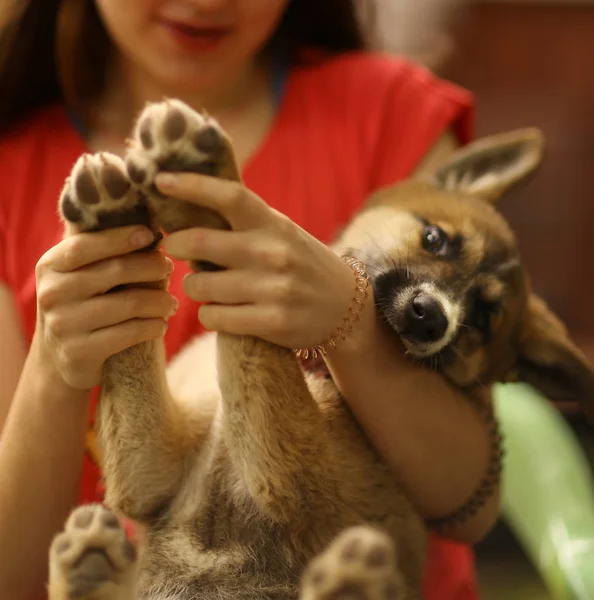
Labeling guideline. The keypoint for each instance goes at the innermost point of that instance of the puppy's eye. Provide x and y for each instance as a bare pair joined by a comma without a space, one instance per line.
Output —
434,240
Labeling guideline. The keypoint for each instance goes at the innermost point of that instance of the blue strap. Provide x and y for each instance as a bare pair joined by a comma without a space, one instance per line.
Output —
77,123
278,81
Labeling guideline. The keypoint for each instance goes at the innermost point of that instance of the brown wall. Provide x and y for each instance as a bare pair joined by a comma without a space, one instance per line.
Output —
534,65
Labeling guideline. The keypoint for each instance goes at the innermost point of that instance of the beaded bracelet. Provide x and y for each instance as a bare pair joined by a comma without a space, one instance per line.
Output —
487,486
357,304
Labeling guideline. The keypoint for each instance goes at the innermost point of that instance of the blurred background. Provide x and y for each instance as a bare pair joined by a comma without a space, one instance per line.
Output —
529,63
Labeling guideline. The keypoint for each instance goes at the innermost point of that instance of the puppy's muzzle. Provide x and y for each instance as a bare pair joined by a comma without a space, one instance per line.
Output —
424,320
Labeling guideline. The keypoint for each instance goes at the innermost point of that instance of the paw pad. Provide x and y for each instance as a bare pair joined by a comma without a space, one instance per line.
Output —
83,517
114,181
175,125
208,140
136,174
145,134
84,184
69,210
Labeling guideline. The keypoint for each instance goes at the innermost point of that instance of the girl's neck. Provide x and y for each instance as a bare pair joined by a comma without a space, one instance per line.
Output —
237,101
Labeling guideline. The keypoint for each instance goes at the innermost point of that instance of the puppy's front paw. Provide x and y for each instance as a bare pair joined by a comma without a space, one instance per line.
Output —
98,195
170,136
360,564
92,558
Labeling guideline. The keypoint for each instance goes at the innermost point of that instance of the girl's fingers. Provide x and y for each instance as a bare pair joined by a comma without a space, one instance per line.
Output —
111,309
240,207
254,250
223,287
224,248
82,249
245,287
140,267
231,249
97,278
111,340
81,357
266,321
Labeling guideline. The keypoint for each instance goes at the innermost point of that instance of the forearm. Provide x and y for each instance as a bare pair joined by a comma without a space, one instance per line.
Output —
41,452
433,436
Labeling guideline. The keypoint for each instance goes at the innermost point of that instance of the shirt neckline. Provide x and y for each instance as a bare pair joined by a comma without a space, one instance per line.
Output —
281,83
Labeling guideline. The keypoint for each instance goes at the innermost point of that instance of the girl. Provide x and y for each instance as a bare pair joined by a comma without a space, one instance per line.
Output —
318,123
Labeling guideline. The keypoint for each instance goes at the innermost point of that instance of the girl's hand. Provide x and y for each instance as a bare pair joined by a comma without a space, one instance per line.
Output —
78,325
280,283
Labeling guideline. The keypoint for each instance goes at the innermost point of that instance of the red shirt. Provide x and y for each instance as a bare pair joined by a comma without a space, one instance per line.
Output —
344,127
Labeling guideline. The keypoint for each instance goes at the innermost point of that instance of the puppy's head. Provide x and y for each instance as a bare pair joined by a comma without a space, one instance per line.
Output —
447,276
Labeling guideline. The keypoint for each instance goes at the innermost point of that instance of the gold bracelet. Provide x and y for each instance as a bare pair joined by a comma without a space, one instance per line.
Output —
356,306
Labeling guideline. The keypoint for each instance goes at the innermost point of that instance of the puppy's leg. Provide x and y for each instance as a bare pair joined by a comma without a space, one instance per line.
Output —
272,426
139,429
360,564
92,559
274,431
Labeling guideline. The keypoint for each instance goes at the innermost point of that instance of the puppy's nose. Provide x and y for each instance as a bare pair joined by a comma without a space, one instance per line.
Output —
425,321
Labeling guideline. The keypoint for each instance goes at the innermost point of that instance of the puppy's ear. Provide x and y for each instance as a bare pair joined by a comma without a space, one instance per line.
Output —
551,362
491,165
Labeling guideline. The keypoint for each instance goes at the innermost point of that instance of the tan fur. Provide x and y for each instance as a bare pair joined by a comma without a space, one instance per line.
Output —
257,468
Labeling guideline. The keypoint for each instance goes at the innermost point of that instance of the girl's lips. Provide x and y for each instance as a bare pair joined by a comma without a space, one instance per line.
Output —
196,39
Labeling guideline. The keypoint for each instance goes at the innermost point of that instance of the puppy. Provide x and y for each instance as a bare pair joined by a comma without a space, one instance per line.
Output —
256,482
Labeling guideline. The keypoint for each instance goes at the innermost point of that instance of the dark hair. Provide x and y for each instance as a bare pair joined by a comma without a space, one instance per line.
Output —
58,49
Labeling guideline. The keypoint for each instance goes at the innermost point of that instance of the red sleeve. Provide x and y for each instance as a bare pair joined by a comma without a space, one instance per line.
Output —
417,108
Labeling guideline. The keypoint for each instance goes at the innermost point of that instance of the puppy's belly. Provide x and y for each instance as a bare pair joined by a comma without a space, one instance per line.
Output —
192,376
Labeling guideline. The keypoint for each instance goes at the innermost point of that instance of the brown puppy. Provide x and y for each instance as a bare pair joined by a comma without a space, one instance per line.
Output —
258,483
448,277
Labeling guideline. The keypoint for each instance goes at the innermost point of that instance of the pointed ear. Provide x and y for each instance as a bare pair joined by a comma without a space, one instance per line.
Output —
492,165
551,362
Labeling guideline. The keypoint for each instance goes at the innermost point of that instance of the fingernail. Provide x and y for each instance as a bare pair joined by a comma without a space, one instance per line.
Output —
170,265
141,238
165,179
174,307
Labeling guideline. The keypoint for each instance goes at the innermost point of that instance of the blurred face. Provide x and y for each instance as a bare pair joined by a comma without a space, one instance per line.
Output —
190,44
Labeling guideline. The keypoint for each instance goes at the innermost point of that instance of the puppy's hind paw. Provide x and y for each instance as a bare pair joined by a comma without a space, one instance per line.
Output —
92,559
360,564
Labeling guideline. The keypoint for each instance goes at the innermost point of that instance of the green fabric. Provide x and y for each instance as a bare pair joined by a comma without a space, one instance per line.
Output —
547,491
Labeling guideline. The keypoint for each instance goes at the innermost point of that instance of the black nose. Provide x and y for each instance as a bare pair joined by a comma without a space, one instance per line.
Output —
424,319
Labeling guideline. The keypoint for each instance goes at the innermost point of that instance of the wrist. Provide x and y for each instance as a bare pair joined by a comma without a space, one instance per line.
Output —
368,335
40,366
361,339
357,282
